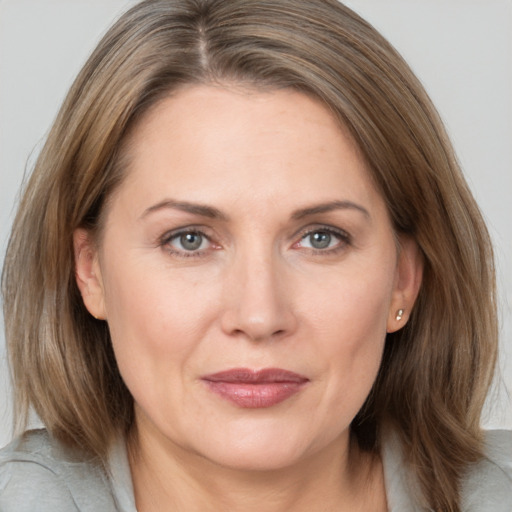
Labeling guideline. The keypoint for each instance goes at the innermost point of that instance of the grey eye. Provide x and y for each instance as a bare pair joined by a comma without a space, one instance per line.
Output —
320,239
191,241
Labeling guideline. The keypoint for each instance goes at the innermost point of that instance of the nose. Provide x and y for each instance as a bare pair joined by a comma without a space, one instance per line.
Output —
258,299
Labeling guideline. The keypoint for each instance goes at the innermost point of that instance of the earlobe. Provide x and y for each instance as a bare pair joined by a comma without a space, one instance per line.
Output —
88,273
408,278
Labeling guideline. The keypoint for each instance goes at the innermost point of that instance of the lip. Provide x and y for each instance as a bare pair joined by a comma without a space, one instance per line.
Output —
255,389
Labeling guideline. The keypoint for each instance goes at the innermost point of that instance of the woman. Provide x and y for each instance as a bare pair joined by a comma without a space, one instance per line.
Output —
247,273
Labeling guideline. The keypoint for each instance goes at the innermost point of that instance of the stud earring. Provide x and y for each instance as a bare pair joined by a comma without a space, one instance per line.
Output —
399,315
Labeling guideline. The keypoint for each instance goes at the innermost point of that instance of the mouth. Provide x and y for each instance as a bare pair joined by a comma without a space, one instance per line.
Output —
255,389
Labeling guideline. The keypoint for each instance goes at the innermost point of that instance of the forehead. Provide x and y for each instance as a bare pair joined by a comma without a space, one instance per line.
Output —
226,144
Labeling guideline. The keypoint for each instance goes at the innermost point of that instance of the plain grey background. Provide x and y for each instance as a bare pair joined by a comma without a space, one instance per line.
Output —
460,49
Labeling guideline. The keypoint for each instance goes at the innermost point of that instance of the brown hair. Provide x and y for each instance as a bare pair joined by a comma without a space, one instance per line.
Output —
435,372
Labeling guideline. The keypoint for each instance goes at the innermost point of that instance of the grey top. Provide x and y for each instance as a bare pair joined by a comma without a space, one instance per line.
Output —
38,475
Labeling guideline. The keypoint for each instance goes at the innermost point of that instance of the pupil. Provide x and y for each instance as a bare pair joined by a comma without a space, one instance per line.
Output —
320,240
191,241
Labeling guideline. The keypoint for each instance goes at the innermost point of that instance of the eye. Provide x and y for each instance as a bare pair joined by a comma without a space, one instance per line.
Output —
190,242
324,239
319,239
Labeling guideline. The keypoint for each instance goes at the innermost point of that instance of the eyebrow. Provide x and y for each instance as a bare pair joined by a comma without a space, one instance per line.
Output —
214,213
193,208
329,207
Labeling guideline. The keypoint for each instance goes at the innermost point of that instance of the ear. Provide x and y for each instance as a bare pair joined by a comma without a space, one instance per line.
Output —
409,274
88,273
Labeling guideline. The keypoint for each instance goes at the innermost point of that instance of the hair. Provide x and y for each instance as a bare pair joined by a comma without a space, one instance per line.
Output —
435,372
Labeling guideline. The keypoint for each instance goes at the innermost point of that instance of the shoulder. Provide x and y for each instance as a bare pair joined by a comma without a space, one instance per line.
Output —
39,473
487,485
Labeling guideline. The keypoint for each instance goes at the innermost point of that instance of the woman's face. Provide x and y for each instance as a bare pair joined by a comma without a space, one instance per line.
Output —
248,272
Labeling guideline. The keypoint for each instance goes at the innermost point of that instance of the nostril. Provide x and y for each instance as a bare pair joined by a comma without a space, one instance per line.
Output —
257,311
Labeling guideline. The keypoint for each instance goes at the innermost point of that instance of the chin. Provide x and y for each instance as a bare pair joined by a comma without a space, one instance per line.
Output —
260,449
251,459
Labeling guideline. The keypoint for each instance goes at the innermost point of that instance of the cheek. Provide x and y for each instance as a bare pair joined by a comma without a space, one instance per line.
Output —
351,307
155,319
350,322
356,343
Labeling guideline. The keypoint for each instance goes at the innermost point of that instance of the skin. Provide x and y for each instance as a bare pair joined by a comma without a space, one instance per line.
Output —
256,294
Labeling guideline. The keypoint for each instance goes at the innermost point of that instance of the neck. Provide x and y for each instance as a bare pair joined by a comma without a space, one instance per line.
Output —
168,477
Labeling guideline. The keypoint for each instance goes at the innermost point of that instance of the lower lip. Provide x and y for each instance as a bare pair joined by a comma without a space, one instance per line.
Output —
255,395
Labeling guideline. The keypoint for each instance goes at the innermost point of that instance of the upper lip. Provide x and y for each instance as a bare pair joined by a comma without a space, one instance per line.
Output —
248,376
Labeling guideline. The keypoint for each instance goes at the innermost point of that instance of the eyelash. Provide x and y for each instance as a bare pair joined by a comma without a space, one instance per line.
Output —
344,240
168,238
